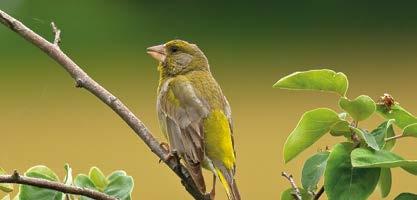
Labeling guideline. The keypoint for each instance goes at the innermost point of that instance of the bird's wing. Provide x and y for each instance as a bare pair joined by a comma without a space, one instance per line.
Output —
220,148
182,112
228,113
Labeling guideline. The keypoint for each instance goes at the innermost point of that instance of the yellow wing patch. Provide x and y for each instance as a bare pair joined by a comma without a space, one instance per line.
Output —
218,138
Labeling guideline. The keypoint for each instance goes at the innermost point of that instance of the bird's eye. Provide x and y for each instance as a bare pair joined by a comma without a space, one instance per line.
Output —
174,49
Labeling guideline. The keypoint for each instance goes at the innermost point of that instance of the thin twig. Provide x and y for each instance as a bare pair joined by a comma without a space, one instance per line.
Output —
83,80
355,138
297,193
42,183
57,33
394,137
319,193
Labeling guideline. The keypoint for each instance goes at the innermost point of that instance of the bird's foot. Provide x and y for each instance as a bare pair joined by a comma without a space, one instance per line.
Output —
165,146
167,149
174,155
171,154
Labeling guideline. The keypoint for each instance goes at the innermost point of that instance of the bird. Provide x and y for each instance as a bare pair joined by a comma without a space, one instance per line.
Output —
194,115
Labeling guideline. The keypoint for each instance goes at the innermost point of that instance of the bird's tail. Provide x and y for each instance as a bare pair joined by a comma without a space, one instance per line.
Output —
228,182
197,175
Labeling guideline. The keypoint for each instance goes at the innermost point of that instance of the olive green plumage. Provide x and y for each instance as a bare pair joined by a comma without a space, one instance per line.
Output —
194,114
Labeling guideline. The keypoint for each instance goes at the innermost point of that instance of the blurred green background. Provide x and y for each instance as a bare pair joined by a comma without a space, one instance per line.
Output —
45,120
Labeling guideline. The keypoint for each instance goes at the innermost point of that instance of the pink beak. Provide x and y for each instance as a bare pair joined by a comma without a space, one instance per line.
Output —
158,52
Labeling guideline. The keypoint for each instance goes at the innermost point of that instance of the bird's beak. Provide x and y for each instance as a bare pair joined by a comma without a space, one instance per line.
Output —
158,52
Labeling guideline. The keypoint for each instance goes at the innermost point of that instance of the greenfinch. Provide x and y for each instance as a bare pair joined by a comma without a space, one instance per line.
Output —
194,115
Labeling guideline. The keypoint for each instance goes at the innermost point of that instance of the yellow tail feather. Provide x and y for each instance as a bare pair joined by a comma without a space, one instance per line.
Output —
229,185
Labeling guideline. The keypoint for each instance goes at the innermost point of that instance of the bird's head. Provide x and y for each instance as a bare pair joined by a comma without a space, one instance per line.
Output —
178,57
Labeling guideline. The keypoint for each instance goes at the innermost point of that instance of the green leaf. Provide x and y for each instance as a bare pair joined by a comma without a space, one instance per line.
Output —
98,178
30,192
5,187
119,186
410,130
365,158
84,181
288,194
116,174
406,196
41,171
402,117
313,170
367,137
319,80
410,169
360,108
385,181
341,128
68,176
341,178
313,125
383,131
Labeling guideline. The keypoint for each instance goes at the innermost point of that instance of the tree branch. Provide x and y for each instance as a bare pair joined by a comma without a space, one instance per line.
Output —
297,193
319,193
42,183
83,80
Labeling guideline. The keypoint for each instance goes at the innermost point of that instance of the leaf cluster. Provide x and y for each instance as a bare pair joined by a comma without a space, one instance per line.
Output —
354,168
117,184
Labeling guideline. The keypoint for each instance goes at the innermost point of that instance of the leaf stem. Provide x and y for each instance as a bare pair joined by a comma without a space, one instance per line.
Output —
355,138
394,137
297,193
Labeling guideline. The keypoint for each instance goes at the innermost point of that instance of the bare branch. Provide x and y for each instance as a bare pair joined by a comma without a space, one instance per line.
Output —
83,80
42,183
57,34
297,193
319,193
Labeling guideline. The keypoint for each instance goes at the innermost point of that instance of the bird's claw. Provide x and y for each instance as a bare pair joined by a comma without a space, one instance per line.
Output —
167,149
171,154
165,146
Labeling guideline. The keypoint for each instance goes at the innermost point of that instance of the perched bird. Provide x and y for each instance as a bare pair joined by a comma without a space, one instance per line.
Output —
194,114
